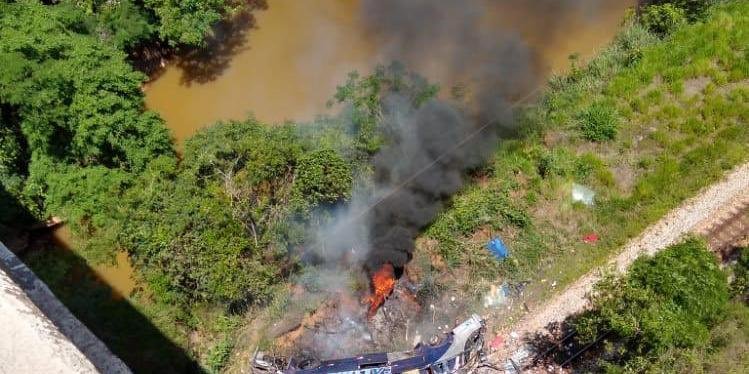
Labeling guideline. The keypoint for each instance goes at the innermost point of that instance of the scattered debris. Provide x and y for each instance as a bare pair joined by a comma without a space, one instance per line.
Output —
459,348
591,238
497,342
516,362
497,296
498,248
583,194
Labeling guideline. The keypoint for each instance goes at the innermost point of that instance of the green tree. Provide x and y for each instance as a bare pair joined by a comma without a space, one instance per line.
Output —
219,226
77,99
188,22
125,24
363,96
13,154
67,98
323,177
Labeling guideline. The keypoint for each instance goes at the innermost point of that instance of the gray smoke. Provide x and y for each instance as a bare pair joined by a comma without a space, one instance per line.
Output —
431,148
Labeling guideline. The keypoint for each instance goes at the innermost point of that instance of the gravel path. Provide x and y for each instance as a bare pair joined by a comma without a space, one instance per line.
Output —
694,215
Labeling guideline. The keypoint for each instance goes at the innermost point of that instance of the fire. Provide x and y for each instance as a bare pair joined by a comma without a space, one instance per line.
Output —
383,281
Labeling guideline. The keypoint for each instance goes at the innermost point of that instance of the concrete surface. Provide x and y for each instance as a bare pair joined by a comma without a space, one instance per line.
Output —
38,334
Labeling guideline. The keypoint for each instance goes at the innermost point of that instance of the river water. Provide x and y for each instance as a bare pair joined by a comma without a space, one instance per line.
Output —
286,67
117,276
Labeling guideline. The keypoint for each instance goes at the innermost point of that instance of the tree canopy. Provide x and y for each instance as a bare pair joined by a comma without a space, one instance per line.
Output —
221,225
68,98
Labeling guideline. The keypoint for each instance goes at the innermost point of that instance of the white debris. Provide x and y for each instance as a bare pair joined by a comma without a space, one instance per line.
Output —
514,363
497,296
583,194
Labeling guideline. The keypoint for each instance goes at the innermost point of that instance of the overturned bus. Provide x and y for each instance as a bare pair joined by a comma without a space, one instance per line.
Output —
458,350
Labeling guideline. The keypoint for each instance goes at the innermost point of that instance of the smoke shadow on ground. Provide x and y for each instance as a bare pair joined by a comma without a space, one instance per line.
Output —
207,63
125,330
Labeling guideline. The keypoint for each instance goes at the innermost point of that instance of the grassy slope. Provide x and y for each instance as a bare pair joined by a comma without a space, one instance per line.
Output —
682,107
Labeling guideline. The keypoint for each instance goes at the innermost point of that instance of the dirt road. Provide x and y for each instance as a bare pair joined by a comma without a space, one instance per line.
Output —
709,209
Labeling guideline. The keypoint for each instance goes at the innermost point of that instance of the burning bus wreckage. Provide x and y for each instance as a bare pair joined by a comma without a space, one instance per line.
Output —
347,340
459,350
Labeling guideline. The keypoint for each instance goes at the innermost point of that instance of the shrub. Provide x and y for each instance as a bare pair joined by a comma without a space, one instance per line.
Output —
740,284
670,300
599,122
693,9
557,162
323,177
218,356
11,151
663,19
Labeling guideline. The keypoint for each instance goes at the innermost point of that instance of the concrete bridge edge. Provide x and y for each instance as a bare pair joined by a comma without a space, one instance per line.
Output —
44,327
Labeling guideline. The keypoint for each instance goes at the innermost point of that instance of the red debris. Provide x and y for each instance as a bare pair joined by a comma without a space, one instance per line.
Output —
590,238
497,342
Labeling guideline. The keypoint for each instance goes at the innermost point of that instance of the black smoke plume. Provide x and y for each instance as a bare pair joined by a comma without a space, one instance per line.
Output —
431,148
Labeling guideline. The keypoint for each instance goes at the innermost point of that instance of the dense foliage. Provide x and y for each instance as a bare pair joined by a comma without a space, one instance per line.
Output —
692,8
663,19
125,23
364,95
671,300
664,16
221,225
740,283
68,101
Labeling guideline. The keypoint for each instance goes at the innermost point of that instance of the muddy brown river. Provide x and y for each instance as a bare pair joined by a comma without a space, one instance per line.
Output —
118,276
286,67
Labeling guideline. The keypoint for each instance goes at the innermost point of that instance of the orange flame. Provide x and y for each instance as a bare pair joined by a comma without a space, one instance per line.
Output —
383,282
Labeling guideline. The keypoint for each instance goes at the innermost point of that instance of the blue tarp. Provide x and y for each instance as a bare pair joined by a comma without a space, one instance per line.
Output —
497,248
